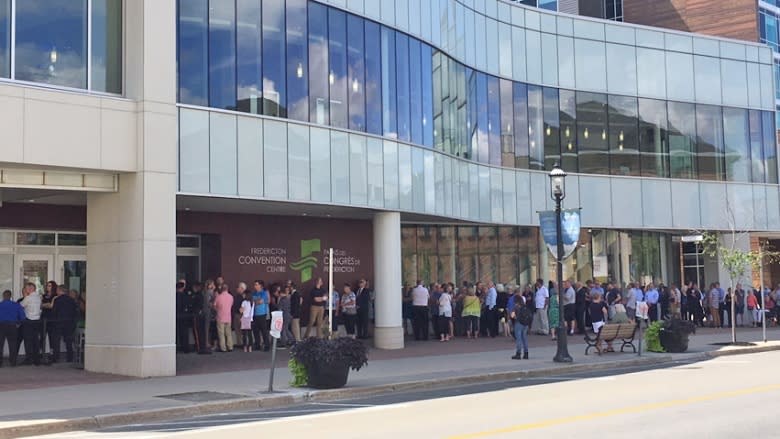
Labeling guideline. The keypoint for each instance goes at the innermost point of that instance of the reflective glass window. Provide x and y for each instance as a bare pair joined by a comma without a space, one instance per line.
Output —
472,112
494,120
297,55
483,142
52,51
682,139
415,92
535,128
679,76
319,107
373,78
621,74
521,125
736,144
439,89
651,72
592,133
552,144
756,148
770,146
222,54
707,79
709,142
249,56
507,122
389,125
427,94
653,140
402,85
552,5
623,136
356,82
590,64
337,75
274,54
193,51
568,118
5,38
106,60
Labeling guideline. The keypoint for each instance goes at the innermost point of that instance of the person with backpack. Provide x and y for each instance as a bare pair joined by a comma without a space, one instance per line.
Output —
522,317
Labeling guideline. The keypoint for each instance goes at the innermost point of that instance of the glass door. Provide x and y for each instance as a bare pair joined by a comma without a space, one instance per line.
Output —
35,269
73,272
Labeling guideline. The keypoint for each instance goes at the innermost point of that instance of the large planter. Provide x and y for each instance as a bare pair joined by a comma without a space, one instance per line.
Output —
674,341
328,376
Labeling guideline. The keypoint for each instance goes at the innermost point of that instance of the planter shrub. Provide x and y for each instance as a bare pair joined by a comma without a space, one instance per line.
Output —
326,363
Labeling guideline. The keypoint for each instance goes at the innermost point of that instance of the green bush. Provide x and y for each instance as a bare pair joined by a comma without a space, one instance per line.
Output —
298,372
653,337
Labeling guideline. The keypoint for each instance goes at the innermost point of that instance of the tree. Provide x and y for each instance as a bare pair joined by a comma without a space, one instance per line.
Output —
736,261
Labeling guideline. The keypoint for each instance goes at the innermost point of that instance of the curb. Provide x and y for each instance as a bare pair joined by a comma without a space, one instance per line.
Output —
248,403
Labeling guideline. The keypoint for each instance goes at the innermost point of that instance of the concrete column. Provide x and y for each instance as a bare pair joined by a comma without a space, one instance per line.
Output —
131,234
388,333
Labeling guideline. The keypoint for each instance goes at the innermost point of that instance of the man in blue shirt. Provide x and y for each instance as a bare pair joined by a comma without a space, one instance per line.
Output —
260,319
652,302
492,312
722,304
11,315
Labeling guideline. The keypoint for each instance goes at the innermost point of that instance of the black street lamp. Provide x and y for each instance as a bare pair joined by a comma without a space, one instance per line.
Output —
558,193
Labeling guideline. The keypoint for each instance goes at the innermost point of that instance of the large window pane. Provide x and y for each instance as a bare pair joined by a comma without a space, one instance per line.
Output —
756,148
415,93
535,143
770,147
389,125
507,122
483,143
318,64
192,50
297,55
337,75
521,127
552,144
427,97
592,133
357,75
52,51
373,79
568,117
249,55
737,144
590,64
653,143
106,45
274,90
222,54
682,140
709,142
5,38
402,84
494,120
623,136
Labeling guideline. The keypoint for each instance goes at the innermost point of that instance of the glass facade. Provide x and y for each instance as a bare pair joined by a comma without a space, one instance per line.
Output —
329,67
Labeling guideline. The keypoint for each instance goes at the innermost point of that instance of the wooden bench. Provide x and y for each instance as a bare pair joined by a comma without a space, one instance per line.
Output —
625,332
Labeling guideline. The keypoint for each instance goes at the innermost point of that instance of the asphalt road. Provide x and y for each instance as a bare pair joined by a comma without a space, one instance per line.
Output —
728,397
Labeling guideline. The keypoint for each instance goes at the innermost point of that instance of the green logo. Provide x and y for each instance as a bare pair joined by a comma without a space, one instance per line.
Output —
308,261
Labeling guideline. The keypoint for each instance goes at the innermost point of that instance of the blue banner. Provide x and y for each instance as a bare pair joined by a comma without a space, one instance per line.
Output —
570,230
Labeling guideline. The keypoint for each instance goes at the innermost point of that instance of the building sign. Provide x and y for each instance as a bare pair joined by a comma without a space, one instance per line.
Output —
570,230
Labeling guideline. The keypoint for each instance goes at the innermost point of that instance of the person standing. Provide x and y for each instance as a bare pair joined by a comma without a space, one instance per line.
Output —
739,306
247,310
363,295
629,301
296,306
491,301
522,317
182,319
714,302
223,305
752,306
65,314
238,299
11,316
541,301
554,311
652,297
471,312
260,318
570,307
31,328
318,297
202,308
420,298
284,305
582,306
445,314
599,312
721,305
349,310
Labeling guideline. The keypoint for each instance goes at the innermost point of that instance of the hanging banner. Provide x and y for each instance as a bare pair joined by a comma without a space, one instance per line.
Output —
570,230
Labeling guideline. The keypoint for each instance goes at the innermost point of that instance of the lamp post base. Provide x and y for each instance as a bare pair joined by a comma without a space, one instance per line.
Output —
562,355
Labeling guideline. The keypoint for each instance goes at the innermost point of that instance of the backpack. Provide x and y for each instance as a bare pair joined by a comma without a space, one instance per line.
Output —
524,316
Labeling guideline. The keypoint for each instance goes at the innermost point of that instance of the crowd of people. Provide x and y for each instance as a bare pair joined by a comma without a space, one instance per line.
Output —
53,315
218,318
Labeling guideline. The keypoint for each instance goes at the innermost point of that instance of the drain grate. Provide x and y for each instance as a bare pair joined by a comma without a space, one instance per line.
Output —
200,396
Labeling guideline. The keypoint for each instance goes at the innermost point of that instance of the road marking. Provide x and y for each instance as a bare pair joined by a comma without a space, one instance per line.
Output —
335,404
622,411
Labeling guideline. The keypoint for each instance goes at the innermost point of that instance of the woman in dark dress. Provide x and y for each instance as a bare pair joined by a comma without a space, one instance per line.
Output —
694,305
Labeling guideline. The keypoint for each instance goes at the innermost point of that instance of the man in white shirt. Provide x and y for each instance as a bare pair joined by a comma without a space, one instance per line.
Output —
629,300
569,306
31,327
541,300
490,308
420,300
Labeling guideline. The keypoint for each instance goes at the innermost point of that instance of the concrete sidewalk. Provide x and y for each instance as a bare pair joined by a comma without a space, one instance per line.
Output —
85,406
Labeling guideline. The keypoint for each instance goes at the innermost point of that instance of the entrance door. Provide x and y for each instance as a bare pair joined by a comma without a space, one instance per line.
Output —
73,272
37,269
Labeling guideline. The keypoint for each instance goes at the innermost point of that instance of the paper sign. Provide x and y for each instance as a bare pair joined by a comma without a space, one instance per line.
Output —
277,322
641,310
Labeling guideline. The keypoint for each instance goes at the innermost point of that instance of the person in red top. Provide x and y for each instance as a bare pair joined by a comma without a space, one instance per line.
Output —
752,305
224,304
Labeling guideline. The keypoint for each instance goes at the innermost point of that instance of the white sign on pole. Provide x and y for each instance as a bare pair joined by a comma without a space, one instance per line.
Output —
642,309
277,322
